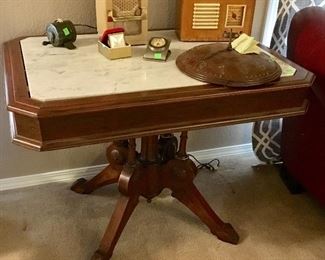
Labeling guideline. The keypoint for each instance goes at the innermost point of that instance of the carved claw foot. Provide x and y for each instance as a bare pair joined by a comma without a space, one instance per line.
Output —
79,186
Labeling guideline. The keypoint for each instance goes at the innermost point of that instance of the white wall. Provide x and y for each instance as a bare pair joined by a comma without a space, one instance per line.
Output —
29,17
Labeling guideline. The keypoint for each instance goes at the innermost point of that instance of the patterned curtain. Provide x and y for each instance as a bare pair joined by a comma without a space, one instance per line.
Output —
286,10
266,137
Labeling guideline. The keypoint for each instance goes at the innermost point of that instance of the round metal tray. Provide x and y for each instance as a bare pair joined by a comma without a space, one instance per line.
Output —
216,64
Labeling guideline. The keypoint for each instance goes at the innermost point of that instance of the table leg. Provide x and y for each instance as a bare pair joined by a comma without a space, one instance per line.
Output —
119,219
193,199
105,177
129,186
123,210
117,157
179,175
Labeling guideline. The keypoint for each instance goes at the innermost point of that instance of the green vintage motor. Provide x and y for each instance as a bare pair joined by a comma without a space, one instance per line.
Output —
61,34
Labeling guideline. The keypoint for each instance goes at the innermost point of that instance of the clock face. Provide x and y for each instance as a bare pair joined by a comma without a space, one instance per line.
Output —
157,49
158,42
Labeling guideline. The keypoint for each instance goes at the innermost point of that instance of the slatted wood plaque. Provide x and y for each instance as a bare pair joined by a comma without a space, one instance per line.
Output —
212,20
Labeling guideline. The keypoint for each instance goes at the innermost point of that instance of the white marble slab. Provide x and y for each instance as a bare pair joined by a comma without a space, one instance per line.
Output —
59,73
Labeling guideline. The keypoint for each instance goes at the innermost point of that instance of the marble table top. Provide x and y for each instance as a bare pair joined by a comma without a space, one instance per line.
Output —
59,73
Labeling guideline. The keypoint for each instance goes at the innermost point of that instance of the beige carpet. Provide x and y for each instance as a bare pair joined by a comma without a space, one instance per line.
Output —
51,222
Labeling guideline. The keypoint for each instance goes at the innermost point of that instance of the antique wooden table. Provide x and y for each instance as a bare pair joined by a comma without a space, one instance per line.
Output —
59,98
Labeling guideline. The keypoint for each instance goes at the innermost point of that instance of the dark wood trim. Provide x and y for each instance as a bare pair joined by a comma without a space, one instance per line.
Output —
19,82
82,121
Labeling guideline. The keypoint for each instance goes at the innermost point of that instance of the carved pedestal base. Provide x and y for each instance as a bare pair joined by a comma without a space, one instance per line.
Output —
147,174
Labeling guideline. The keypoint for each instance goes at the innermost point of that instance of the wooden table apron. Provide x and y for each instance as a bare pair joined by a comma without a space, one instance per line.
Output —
75,122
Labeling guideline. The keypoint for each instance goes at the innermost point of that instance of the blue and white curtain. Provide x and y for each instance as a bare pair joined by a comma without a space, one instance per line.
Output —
266,138
286,10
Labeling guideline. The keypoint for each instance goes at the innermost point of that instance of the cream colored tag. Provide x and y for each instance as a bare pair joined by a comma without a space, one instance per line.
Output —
245,44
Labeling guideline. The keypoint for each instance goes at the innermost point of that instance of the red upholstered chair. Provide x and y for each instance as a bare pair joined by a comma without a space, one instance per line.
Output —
303,137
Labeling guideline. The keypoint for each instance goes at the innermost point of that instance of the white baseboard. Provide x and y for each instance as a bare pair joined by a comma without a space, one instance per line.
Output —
71,175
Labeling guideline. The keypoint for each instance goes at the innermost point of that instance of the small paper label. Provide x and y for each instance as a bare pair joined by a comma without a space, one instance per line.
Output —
158,56
66,31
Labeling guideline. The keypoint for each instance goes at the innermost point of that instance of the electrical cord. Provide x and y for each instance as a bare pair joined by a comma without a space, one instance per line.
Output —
85,25
209,165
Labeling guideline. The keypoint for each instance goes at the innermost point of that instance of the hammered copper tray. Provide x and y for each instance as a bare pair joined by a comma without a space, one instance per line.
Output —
216,64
